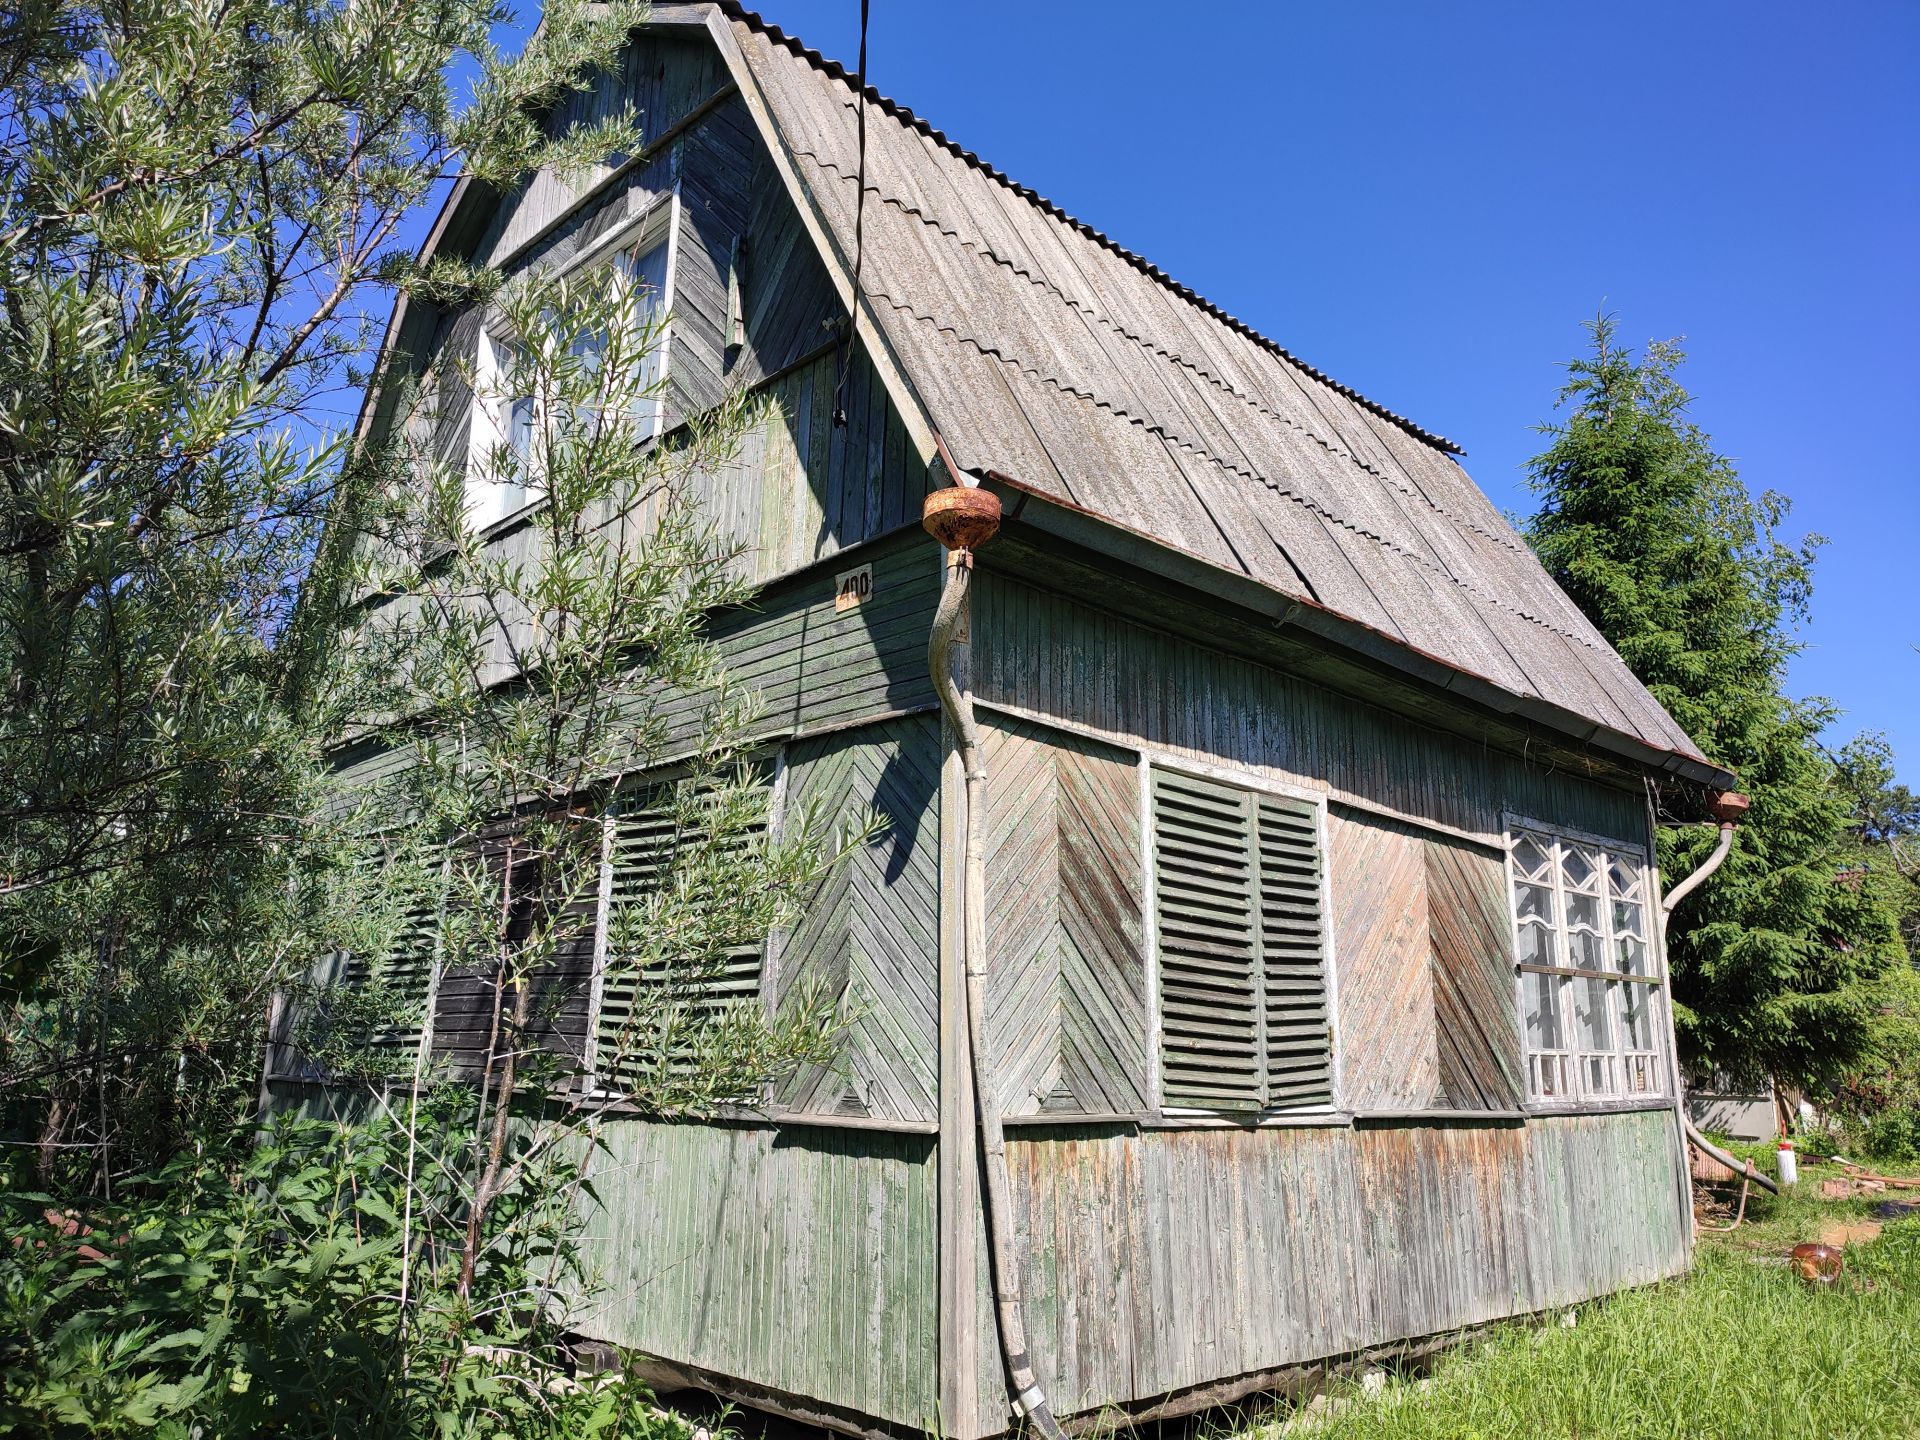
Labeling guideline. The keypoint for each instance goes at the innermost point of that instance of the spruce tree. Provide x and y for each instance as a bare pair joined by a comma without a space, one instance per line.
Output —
1659,542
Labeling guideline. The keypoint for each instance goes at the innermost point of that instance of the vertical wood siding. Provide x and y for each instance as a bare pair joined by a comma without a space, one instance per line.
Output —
1066,1003
802,489
1173,1258
1046,652
870,934
801,1260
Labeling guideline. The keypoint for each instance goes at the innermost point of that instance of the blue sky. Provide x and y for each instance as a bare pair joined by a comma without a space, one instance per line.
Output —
1426,201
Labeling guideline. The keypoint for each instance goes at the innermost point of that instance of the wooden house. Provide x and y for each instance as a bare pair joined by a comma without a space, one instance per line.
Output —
1324,984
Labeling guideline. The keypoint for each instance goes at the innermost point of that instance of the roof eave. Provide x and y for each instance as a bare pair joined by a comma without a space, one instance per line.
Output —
1095,533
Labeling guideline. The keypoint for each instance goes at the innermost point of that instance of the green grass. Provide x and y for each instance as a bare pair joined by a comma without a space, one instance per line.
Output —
1738,1349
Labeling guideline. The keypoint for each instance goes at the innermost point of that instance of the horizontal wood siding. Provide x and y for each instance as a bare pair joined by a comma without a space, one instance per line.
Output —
1173,1258
815,667
801,1260
812,667
1048,653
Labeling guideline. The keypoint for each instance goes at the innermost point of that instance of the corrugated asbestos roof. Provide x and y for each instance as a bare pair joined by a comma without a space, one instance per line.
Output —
1046,352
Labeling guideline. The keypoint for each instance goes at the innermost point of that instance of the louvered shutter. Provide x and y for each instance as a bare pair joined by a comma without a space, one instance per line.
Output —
1207,892
647,844
405,969
1244,1021
1299,1065
644,837
547,911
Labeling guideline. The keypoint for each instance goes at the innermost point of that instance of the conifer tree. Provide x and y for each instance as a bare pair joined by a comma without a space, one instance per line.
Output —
1659,542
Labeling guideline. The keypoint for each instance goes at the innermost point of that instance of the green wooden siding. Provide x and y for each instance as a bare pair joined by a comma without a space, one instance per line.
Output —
640,1008
813,668
802,1260
870,934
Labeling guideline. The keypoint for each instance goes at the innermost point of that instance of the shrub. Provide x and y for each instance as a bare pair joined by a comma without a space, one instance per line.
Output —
303,1285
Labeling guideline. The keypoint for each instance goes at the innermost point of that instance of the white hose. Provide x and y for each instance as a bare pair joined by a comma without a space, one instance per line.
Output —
1712,863
1002,1264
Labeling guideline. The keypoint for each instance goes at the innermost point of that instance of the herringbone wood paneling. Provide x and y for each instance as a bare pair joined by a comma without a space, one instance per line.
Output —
1066,1005
1381,942
870,931
1479,1045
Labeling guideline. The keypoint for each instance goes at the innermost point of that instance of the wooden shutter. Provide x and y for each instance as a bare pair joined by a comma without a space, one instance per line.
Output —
1292,952
405,969
1244,1021
544,893
647,845
1206,902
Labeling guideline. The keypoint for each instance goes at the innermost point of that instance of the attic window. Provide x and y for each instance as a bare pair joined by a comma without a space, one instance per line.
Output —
1239,914
500,481
1589,997
503,468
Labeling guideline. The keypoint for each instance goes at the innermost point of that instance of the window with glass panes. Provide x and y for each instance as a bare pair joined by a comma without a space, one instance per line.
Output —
1589,994
507,414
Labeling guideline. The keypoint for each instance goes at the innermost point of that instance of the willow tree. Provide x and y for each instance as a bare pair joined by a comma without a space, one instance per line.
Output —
202,210
1681,568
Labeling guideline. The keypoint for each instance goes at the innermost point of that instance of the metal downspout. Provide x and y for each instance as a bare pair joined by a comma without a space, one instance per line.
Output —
961,517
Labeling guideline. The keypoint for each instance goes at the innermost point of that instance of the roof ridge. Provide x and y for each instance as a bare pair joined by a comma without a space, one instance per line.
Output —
1333,445
1220,462
837,71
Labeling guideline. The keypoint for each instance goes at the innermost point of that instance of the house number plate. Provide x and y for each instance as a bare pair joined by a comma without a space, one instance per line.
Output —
852,587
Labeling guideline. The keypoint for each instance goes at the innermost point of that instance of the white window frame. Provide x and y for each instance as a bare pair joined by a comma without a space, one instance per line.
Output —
491,502
1149,761
1577,1075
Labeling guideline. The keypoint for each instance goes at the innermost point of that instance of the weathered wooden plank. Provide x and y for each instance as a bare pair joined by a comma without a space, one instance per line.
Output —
800,1260
1476,1025
869,933
1066,1007
1204,1254
1382,939
1044,652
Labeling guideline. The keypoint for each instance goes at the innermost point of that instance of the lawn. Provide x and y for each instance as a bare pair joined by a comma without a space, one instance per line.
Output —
1741,1349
